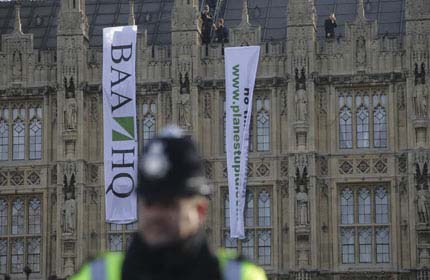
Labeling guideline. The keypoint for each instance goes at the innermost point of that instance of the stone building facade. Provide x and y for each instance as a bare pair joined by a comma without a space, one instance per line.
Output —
339,157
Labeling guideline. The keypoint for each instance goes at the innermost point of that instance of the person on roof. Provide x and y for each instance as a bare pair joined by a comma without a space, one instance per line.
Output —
207,23
330,25
221,32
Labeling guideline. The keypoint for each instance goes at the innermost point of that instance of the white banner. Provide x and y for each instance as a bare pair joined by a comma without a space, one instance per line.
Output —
240,71
119,116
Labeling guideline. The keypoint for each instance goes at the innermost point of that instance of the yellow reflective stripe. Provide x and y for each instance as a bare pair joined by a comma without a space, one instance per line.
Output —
83,274
114,263
224,255
252,272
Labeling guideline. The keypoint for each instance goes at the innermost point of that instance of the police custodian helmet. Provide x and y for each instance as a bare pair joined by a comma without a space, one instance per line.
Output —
171,167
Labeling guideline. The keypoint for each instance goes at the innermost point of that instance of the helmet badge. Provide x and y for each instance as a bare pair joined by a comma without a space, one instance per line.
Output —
155,162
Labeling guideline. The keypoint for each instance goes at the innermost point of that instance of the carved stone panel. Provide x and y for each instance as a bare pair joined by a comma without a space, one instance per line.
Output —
284,167
17,178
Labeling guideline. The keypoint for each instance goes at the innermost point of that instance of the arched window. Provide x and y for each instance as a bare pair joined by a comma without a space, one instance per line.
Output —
248,245
18,216
257,244
17,255
364,216
347,207
345,128
381,206
348,245
115,242
4,134
230,243
365,239
382,245
362,114
249,209
264,247
33,254
35,116
35,139
149,110
263,131
3,217
3,255
380,127
345,122
120,236
226,211
365,117
365,243
148,128
264,215
21,240
34,216
18,139
263,125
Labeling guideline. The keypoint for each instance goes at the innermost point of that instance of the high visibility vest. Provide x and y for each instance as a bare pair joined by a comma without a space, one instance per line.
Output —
109,268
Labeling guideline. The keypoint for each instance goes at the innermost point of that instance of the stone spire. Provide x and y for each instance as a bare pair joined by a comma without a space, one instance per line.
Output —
245,15
18,27
131,18
361,15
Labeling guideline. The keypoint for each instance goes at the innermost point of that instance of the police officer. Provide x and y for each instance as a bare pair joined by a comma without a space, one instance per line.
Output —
170,242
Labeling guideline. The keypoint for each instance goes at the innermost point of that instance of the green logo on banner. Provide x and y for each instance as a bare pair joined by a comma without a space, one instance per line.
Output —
127,124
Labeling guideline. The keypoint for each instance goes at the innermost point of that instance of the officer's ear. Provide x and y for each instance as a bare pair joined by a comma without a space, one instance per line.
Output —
202,205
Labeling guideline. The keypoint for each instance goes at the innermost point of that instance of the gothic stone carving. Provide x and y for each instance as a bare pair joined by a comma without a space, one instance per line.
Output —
284,103
17,178
403,163
3,178
167,107
33,178
283,185
420,92
363,166
250,169
94,109
301,99
302,205
69,207
403,186
284,167
184,102
422,204
93,173
16,65
207,110
361,51
401,103
380,165
322,166
302,198
422,196
322,101
263,170
345,167
71,109
421,168
208,169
